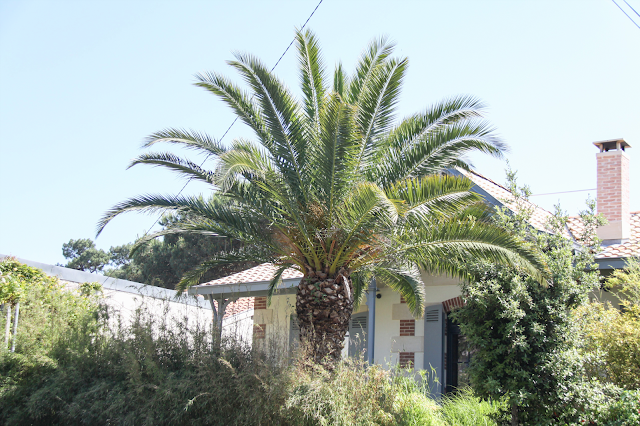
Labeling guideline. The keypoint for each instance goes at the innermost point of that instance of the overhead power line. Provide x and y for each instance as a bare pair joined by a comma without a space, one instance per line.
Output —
563,192
236,119
631,7
630,18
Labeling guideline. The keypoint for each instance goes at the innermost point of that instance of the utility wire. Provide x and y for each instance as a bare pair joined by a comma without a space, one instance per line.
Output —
631,7
630,18
236,119
563,192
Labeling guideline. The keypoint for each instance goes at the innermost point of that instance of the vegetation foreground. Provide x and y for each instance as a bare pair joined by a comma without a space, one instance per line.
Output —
75,364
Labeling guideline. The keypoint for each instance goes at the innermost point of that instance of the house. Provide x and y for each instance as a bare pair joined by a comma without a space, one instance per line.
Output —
384,330
125,297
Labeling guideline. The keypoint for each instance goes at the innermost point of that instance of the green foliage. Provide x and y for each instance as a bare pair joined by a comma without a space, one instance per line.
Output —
464,408
16,278
416,409
610,337
625,284
84,255
623,411
521,330
49,315
611,344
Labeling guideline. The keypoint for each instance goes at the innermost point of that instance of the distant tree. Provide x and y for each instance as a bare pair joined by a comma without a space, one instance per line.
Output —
160,263
120,256
84,256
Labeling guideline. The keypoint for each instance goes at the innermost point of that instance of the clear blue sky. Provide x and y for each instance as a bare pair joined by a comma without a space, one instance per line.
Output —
83,82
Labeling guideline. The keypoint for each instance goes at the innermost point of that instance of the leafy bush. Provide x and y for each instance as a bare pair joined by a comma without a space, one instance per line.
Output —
610,337
522,330
611,344
624,411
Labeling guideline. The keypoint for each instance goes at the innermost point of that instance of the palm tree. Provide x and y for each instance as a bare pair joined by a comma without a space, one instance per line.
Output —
329,185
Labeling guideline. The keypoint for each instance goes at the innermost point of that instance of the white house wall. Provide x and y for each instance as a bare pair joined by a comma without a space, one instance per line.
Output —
389,311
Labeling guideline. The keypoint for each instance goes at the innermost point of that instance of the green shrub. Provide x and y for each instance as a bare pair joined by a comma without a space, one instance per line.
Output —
624,411
611,344
465,409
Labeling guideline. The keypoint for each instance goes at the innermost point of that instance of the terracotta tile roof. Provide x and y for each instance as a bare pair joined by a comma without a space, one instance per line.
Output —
240,305
629,249
539,215
256,274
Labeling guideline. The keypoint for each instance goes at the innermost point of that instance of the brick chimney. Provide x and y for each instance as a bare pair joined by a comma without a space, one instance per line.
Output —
613,190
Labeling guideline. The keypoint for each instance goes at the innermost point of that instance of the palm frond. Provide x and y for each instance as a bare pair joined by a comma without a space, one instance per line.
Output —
276,280
312,76
438,151
340,81
244,159
281,116
241,103
406,281
186,138
376,106
360,281
433,197
371,59
334,158
366,211
143,204
413,143
446,248
170,161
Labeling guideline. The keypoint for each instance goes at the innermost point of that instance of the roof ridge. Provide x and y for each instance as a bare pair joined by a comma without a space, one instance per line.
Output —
508,190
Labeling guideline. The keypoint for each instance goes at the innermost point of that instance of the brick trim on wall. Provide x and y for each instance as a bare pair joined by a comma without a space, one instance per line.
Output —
260,303
451,304
407,359
407,327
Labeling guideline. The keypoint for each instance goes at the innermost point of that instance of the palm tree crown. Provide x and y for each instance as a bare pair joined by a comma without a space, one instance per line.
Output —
331,184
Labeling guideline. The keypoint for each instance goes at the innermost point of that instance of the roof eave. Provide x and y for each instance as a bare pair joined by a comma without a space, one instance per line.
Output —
252,289
610,263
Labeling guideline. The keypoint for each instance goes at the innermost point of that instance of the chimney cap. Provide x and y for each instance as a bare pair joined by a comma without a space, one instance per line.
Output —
612,145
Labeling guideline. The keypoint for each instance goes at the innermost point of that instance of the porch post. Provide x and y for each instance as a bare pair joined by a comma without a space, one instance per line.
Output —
371,322
218,314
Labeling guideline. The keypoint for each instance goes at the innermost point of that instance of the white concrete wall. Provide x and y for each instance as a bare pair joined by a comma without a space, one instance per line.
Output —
127,296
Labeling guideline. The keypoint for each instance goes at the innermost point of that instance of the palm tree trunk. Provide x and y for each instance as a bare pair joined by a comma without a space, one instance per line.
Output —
324,306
